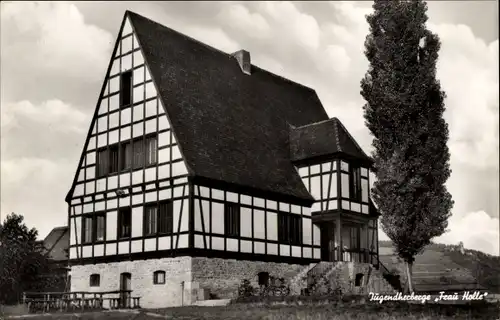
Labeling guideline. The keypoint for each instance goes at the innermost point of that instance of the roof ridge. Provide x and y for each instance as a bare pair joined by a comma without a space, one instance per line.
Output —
229,55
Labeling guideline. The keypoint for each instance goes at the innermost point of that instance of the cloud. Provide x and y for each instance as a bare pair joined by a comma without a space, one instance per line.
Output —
291,24
52,115
214,37
40,146
468,70
51,131
239,17
338,58
35,188
477,230
52,37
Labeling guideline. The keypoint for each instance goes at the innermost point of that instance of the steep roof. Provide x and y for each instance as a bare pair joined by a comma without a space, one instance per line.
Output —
323,138
231,127
56,244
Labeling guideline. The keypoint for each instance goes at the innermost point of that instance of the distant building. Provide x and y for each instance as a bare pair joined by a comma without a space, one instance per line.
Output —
56,249
201,169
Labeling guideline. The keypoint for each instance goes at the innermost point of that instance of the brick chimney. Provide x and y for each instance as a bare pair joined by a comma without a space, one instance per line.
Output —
243,58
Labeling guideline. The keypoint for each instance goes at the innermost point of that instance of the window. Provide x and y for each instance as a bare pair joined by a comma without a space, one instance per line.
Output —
263,278
87,229
107,160
166,217
113,158
102,162
289,228
93,228
138,153
159,277
124,223
126,89
124,155
95,280
232,220
144,151
151,146
355,183
100,228
150,215
359,280
158,218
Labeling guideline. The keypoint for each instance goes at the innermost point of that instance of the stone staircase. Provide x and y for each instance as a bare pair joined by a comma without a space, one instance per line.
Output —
378,283
324,278
299,282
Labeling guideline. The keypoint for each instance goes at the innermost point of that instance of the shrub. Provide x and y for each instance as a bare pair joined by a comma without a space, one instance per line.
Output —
276,288
245,289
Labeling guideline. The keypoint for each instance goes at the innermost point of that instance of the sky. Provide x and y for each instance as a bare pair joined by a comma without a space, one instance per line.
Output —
54,56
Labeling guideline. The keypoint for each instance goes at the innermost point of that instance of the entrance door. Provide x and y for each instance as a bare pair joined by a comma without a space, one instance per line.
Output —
328,242
125,284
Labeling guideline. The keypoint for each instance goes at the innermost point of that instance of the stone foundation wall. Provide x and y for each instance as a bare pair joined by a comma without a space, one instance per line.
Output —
219,277
222,277
152,295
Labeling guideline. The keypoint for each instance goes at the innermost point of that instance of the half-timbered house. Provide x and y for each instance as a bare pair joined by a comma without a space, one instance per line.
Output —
201,169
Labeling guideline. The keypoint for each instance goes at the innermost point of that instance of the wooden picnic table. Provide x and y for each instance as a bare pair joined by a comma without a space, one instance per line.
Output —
82,300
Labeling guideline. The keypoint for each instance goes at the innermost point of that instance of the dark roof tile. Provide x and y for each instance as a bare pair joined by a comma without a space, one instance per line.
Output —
56,243
231,126
324,138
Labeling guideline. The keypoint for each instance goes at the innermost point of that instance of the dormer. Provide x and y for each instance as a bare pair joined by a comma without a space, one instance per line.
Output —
333,167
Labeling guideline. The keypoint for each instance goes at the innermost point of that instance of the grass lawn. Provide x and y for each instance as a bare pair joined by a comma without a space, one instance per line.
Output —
368,311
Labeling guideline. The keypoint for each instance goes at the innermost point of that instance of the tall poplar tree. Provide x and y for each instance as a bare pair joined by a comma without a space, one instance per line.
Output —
404,112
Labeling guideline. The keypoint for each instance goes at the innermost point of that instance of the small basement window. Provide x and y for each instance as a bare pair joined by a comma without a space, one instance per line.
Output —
359,280
263,278
95,280
159,277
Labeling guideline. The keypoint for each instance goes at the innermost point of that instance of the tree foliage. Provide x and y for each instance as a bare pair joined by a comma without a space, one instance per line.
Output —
404,112
22,260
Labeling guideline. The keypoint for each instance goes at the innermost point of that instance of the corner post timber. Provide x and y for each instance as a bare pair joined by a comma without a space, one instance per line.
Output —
338,236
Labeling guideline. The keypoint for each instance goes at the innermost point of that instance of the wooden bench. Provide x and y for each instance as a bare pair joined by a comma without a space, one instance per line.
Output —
47,301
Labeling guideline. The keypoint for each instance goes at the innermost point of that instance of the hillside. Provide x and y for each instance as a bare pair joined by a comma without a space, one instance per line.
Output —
447,267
